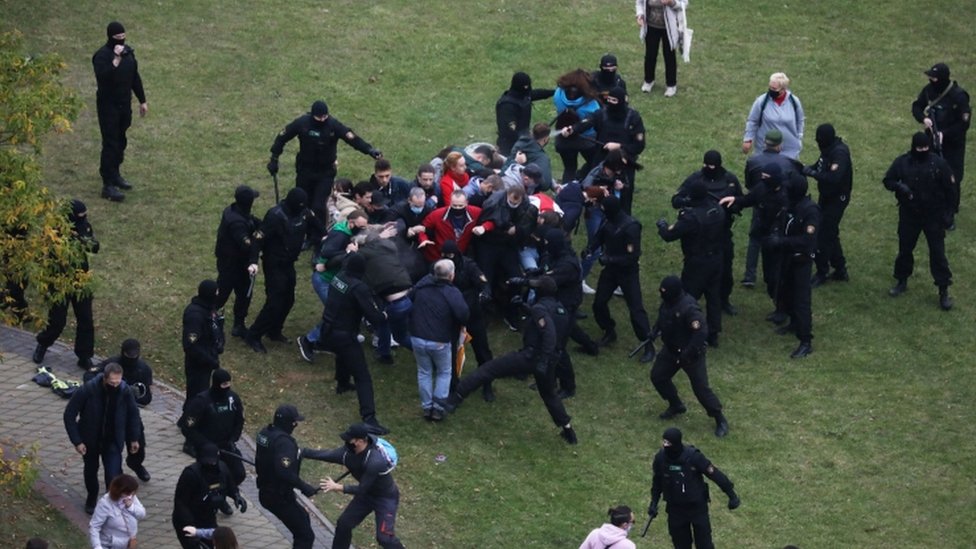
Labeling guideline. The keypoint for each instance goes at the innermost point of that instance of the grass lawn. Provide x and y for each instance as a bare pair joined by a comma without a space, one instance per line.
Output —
866,443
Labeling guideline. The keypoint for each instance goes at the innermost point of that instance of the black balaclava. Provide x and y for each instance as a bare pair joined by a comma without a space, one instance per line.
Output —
671,289
244,198
697,191
354,266
713,158
555,243
114,28
796,190
450,248
521,85
129,356
608,77
673,435
775,179
825,136
296,200
941,73
78,215
919,140
611,207
219,377
207,292
320,108
618,111
208,456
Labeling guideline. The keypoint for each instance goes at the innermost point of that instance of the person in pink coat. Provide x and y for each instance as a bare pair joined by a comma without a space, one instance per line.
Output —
613,534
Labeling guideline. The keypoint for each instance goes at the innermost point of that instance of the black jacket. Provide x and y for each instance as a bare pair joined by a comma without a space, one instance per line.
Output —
700,227
210,417
682,328
282,233
85,415
681,480
513,116
278,463
834,173
367,467
235,235
923,187
317,142
621,241
117,84
203,336
199,493
349,301
439,310
951,113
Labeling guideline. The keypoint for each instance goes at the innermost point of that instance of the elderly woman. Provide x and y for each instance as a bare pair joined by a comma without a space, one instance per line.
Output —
115,522
575,99
658,20
777,109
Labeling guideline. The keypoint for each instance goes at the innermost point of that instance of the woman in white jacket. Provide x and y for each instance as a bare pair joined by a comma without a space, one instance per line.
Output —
115,522
660,22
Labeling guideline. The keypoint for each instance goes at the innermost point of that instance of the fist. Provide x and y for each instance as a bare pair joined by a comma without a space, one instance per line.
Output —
734,502
118,49
662,224
273,166
376,153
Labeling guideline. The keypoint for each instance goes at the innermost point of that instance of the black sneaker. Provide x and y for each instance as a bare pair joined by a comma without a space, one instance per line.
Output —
818,281
121,183
673,411
376,428
840,276
898,289
945,302
563,394
90,507
729,309
255,344
305,348
804,349
488,393
39,353
721,427
142,473
113,194
436,415
453,402
568,434
609,337
85,363
239,330
777,317
748,283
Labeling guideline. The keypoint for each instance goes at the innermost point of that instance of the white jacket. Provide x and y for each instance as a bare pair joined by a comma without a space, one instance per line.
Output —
112,524
674,20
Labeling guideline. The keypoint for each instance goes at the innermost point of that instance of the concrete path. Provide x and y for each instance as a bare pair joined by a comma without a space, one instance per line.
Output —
31,415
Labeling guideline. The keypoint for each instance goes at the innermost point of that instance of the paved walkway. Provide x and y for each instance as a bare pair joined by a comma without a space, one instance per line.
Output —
32,415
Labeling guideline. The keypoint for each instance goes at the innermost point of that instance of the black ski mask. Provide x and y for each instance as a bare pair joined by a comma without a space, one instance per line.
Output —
825,136
712,158
920,146
671,290
208,456
608,70
673,436
114,28
207,292
129,356
286,417
611,207
619,110
521,85
796,190
218,378
295,202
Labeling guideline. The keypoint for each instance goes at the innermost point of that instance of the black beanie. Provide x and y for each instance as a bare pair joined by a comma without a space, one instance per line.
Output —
114,28
619,94
521,83
219,377
207,291
713,158
319,108
673,436
296,200
354,265
131,348
77,209
671,289
921,139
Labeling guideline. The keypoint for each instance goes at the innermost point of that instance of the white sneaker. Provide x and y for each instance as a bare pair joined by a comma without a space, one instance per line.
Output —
587,290
618,292
670,91
646,87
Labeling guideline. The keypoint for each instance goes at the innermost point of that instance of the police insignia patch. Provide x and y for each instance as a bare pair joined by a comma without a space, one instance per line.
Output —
811,229
834,167
640,137
511,126
541,322
286,462
193,337
695,325
191,421
247,241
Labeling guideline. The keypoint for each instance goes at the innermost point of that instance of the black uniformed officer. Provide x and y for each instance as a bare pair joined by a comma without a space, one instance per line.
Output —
513,111
835,176
348,302
202,489
925,186
943,107
139,377
203,338
620,237
719,183
279,241
83,238
543,341
679,472
117,76
607,77
683,331
796,240
618,127
278,463
216,416
376,492
315,164
701,226
235,272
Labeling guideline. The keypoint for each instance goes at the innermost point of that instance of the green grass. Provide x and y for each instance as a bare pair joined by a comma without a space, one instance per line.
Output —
866,443
22,518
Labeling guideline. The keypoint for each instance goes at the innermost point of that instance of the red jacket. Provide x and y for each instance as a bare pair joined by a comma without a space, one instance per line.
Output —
451,182
440,228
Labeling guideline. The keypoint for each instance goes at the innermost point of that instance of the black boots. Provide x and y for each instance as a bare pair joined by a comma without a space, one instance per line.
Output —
721,426
899,288
944,300
609,337
112,193
39,353
673,411
805,348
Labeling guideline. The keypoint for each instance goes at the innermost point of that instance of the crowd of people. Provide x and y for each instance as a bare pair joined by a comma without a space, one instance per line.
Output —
483,233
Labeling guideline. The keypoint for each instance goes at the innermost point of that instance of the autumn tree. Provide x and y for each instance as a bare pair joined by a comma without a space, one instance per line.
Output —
36,252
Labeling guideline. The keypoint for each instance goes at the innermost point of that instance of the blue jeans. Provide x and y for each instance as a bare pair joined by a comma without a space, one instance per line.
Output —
321,288
592,225
397,316
433,371
529,257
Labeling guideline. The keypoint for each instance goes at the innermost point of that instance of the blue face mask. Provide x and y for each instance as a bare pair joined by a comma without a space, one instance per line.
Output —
416,209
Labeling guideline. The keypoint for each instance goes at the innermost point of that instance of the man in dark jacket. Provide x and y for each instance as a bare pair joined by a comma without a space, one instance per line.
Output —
943,107
924,185
216,416
235,239
376,492
410,225
349,301
100,419
83,237
117,76
678,475
835,176
533,148
318,134
279,241
513,110
390,283
437,317
139,377
393,187
278,463
683,330
203,338
202,489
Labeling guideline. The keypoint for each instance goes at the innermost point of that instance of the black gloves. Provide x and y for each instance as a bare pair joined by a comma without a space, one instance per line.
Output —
308,490
517,281
662,224
734,501
240,503
652,509
376,153
484,297
811,170
273,165
903,192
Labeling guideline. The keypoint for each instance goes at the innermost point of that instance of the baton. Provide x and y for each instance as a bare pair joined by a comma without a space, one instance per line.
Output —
275,177
250,288
238,456
640,346
646,526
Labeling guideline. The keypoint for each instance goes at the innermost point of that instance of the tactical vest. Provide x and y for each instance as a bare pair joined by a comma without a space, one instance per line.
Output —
682,482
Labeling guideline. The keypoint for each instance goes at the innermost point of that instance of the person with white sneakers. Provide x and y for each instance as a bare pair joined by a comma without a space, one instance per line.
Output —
658,22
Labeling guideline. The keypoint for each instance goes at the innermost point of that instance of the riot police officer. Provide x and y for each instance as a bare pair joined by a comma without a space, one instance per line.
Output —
235,273
216,416
202,489
925,186
203,338
835,176
701,227
683,330
278,462
679,472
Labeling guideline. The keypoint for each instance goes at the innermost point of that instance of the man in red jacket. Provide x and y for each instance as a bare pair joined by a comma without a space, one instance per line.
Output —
454,222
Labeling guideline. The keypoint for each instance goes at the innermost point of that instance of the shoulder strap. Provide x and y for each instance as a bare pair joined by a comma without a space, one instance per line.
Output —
944,93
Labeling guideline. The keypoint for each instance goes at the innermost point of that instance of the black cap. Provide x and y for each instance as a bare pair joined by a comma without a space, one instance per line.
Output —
319,108
131,348
114,28
938,70
243,193
608,60
533,170
356,430
288,413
